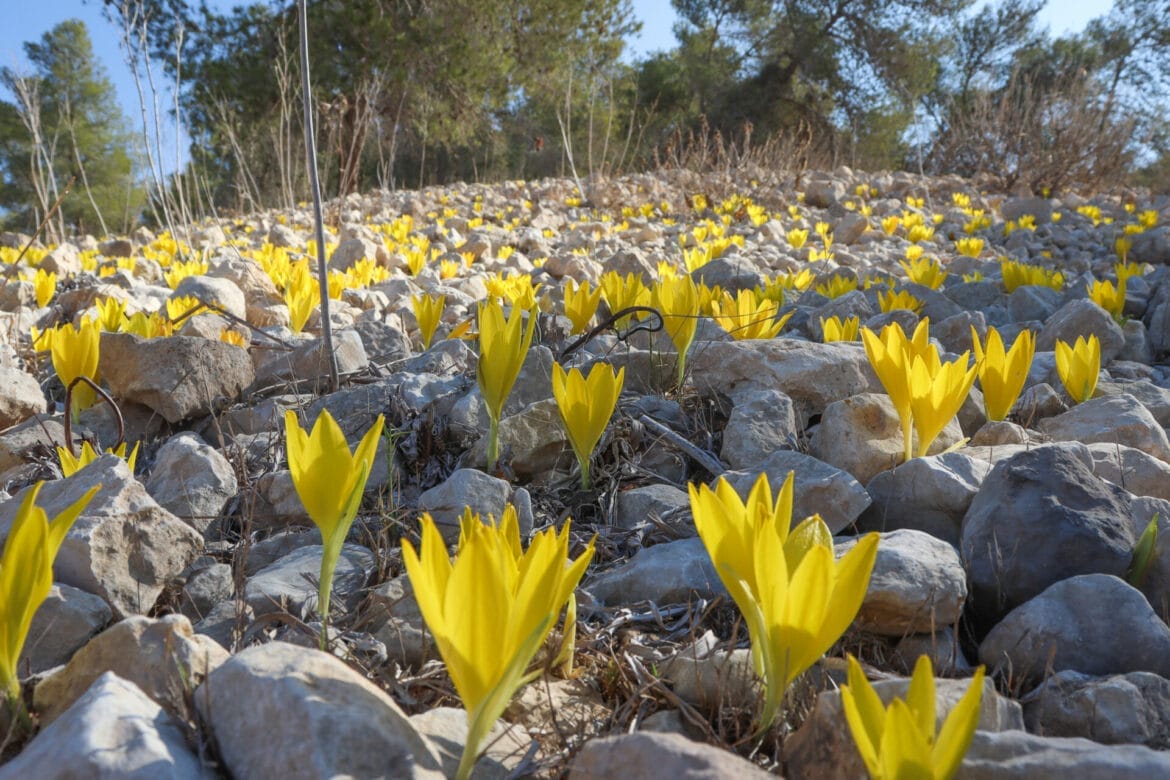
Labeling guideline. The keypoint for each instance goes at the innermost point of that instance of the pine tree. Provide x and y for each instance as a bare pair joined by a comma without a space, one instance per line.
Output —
63,122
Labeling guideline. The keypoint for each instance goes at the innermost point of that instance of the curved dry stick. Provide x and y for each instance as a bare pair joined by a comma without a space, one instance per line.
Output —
69,413
609,323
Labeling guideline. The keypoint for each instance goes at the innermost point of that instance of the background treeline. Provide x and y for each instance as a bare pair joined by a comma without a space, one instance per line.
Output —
416,92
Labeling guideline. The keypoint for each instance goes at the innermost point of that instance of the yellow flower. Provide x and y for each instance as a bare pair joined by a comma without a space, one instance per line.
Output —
46,286
677,300
936,394
585,406
234,337
919,233
580,304
745,318
75,353
622,293
502,348
71,464
179,306
834,329
1078,367
301,300
26,576
428,310
890,300
1108,297
925,271
1016,274
901,741
111,313
891,224
837,286
891,354
1002,374
797,238
329,480
491,610
795,598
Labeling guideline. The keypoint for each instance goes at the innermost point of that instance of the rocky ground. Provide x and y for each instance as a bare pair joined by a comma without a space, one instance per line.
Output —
178,640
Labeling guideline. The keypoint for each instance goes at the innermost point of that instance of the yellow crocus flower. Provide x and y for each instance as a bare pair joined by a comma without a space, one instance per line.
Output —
902,740
677,300
1002,374
890,300
71,464
936,396
1078,367
75,353
796,599
428,310
1109,297
26,577
580,304
746,318
834,329
585,406
491,610
45,285
329,481
503,344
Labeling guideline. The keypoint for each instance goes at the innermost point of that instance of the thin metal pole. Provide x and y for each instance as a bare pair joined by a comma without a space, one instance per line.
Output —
315,185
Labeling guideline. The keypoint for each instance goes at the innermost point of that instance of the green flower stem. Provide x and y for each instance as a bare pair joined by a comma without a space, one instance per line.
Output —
493,446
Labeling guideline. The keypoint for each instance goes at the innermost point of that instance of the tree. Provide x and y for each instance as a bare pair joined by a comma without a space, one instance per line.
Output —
64,123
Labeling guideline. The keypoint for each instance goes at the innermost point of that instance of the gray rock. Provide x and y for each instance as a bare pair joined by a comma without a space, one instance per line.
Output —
485,494
1156,399
206,589
192,480
731,272
533,442
1032,302
308,362
178,377
262,703
942,648
20,397
918,585
926,494
1076,624
667,573
654,502
124,547
216,291
1042,516
392,616
1082,317
1018,755
1118,419
761,422
817,487
862,434
352,250
1131,708
225,623
65,621
715,681
163,657
647,754
503,748
291,582
823,746
19,443
812,375
113,730
1134,470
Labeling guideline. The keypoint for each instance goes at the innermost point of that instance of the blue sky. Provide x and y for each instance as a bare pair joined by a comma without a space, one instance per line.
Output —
29,19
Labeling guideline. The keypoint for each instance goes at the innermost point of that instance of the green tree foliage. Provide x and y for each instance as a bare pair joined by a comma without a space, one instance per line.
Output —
67,125
407,92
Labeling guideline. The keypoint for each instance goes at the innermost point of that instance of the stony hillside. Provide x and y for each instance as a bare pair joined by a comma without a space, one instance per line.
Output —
1019,535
